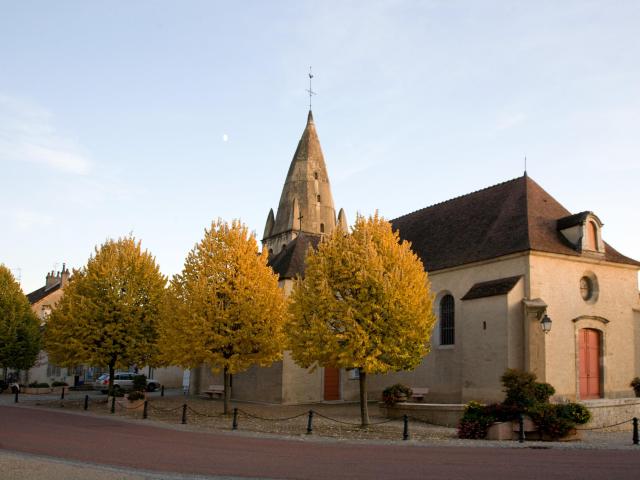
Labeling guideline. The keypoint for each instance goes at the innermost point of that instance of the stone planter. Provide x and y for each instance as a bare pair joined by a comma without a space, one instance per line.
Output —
35,391
500,431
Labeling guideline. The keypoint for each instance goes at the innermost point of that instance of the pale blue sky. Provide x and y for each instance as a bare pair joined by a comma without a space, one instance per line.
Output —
113,114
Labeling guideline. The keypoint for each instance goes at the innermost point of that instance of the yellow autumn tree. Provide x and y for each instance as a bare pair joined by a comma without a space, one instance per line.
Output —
110,309
364,303
225,309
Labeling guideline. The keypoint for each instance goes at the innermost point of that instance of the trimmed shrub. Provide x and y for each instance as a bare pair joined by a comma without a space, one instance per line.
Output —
543,392
38,385
635,384
574,412
136,395
520,388
550,421
59,384
393,394
475,421
140,383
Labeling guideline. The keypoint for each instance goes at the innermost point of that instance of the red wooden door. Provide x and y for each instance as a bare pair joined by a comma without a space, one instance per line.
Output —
589,358
331,383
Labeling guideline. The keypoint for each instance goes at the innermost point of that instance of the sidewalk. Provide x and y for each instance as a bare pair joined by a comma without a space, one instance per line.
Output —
331,421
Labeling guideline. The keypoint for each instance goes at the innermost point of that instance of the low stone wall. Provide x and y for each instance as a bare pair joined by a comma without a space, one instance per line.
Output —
445,414
605,412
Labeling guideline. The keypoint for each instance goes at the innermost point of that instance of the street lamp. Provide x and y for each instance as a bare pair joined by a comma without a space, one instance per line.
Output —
546,324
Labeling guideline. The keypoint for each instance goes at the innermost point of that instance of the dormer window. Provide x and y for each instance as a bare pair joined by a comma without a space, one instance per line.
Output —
591,242
583,231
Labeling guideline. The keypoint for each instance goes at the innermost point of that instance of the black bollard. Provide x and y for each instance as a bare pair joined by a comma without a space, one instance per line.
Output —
86,402
521,428
145,410
16,399
234,425
62,394
184,414
310,423
635,430
162,391
405,431
113,404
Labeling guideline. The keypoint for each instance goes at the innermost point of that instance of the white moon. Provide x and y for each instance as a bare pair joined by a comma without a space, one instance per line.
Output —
225,137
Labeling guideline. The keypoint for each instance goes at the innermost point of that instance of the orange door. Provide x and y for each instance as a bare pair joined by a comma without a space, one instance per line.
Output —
331,383
589,358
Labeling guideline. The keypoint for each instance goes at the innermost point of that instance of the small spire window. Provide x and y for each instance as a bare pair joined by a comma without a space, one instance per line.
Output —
315,175
322,228
318,198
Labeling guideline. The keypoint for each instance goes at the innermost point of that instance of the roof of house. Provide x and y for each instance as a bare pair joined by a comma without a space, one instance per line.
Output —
291,260
42,292
501,286
514,216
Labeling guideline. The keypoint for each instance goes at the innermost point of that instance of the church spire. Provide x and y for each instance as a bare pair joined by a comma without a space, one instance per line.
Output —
306,204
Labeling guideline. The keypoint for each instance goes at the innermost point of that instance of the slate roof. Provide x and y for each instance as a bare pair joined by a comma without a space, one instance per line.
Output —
501,286
291,261
42,292
514,216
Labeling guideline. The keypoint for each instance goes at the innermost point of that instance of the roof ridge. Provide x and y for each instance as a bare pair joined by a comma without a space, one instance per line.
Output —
458,197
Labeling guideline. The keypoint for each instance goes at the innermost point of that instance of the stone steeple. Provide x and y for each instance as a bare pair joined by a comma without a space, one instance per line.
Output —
306,204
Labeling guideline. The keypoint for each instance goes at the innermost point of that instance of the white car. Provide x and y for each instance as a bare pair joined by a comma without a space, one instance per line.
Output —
123,381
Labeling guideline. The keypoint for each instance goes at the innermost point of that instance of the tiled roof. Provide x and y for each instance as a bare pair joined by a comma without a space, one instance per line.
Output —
291,261
42,292
514,216
501,286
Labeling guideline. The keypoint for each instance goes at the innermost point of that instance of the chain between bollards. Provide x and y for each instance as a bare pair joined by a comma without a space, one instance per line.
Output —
635,430
234,425
310,423
184,414
521,428
405,430
86,402
113,404
144,410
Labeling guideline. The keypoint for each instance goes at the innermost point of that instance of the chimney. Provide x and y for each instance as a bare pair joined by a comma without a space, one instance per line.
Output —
64,276
51,280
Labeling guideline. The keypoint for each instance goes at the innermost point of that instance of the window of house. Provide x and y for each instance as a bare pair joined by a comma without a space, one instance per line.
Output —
589,288
53,370
447,320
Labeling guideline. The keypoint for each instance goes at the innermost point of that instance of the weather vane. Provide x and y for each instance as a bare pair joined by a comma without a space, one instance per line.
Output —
311,92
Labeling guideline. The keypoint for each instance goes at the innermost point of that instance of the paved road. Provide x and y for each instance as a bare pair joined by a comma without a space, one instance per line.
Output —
133,446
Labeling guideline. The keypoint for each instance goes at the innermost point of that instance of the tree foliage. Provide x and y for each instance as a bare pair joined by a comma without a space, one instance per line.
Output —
364,303
225,308
110,309
19,326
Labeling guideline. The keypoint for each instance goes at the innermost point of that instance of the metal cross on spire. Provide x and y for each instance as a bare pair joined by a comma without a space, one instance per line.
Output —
300,223
310,90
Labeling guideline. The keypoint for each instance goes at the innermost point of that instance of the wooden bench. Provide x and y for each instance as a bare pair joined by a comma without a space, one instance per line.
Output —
215,390
418,394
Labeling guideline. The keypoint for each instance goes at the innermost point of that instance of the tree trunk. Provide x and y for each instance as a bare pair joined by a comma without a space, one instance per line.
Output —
227,390
364,409
112,372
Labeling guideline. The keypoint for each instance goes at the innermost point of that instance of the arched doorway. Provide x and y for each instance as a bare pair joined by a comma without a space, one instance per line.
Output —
590,353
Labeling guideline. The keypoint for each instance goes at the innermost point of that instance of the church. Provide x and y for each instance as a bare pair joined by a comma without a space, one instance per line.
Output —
518,282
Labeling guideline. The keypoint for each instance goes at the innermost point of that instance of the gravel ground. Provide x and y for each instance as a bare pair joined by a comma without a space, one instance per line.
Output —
332,421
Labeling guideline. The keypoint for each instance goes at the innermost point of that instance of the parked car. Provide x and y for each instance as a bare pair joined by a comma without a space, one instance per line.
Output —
123,381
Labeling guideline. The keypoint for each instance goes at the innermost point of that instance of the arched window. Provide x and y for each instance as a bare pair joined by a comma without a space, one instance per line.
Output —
322,228
318,197
592,236
447,320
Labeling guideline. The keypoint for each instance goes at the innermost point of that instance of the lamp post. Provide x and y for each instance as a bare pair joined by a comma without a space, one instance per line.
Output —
546,324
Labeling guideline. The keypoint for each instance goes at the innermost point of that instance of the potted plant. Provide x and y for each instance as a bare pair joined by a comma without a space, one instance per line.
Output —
396,393
635,384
